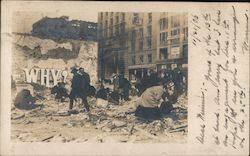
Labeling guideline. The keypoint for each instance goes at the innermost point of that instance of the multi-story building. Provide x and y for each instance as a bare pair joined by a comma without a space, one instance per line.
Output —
135,43
142,44
112,43
172,41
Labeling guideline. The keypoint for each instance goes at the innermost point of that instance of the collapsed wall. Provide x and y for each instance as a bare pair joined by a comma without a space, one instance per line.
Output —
45,56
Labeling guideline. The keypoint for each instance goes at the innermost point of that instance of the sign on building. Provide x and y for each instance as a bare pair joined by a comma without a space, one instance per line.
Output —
46,77
175,52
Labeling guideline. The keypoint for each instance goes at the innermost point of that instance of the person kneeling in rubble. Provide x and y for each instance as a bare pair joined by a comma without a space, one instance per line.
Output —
156,101
61,93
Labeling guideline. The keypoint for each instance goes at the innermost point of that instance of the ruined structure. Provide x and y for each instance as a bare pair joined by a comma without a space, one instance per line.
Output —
62,27
46,62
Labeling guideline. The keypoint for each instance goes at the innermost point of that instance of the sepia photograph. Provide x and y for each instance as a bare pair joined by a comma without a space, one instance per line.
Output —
124,78
118,77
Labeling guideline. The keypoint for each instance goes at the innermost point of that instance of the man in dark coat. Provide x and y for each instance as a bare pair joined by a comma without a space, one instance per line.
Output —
74,89
116,94
153,79
178,80
116,83
80,86
125,86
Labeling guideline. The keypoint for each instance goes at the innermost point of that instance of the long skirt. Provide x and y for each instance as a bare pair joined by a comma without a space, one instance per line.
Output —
148,113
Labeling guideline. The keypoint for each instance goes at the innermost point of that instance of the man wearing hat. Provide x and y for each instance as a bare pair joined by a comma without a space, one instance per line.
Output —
74,89
80,86
154,102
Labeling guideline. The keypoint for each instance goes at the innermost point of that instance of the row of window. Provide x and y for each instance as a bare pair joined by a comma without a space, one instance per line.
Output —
112,14
175,32
119,29
113,31
163,39
137,20
112,22
141,59
135,15
140,44
139,33
175,22
163,55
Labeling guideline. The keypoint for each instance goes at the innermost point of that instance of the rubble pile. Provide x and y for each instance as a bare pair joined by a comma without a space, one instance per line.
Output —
112,123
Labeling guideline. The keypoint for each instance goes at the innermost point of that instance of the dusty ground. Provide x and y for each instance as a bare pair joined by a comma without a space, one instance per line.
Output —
114,123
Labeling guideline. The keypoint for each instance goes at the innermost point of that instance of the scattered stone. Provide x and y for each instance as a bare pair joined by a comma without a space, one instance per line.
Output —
28,122
56,119
22,136
73,112
87,125
168,121
177,130
71,124
47,138
179,126
121,115
112,114
106,129
123,139
118,123
17,116
144,132
131,129
101,103
81,140
84,117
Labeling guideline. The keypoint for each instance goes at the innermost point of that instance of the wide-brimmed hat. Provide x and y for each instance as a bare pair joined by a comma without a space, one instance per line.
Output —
73,70
167,82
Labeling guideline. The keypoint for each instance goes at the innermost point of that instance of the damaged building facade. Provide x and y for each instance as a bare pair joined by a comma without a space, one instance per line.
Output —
62,27
132,43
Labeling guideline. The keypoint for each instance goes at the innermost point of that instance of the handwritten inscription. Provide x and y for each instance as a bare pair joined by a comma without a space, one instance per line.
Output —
201,138
223,40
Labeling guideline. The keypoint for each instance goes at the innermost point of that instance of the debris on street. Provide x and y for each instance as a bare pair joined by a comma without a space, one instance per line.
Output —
104,123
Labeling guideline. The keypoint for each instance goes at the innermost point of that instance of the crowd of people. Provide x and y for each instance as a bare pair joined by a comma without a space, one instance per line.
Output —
156,93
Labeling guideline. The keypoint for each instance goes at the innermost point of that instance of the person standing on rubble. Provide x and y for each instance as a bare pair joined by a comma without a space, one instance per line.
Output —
125,86
116,83
154,102
74,90
153,79
80,86
116,90
85,87
178,79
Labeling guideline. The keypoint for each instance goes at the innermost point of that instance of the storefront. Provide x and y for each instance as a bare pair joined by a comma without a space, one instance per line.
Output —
171,65
140,71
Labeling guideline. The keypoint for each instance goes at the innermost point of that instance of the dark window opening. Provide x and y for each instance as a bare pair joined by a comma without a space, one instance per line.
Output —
141,59
163,53
149,58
